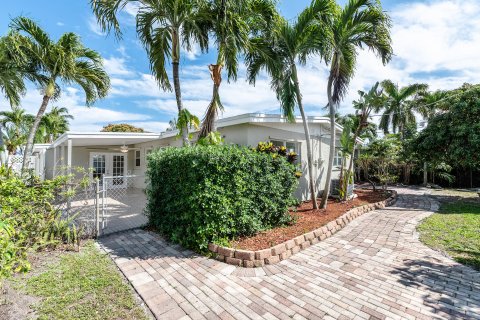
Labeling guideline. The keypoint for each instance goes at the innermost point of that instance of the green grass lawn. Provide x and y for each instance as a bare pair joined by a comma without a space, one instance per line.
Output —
455,229
83,285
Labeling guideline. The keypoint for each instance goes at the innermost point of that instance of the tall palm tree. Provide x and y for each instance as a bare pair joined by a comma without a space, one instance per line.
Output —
360,24
65,61
278,51
399,107
234,22
55,123
164,27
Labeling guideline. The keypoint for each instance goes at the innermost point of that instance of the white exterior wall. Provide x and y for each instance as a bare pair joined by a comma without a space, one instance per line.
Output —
241,134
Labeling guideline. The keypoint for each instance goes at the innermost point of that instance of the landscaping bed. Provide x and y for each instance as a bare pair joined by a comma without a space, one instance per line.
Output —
305,220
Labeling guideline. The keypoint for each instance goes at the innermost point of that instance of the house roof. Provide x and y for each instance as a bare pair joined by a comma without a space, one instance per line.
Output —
104,138
259,118
120,138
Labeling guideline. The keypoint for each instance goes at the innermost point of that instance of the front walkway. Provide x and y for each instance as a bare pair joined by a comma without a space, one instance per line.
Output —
375,268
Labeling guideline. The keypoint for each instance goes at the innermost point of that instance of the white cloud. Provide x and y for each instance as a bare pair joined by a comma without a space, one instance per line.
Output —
117,67
86,119
94,27
60,24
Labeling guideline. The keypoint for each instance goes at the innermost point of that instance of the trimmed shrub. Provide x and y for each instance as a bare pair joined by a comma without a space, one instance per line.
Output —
215,193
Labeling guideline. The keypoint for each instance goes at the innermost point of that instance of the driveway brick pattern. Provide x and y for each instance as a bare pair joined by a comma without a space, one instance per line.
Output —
374,268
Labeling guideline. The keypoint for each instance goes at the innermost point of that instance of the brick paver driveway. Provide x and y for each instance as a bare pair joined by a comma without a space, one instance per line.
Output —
375,268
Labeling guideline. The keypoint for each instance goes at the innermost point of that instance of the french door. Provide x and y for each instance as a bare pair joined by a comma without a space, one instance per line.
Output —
112,166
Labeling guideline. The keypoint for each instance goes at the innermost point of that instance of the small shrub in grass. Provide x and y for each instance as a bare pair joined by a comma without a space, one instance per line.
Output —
214,193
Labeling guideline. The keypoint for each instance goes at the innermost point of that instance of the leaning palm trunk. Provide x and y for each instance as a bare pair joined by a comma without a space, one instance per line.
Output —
350,165
313,193
33,131
326,189
208,123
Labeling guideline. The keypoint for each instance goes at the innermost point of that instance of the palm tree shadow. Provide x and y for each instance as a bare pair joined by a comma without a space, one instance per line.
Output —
452,290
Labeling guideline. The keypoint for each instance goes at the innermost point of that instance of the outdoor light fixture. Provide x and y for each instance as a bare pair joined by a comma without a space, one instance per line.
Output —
124,148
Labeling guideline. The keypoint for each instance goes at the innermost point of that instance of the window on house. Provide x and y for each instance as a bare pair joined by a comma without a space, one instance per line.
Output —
291,146
337,160
137,158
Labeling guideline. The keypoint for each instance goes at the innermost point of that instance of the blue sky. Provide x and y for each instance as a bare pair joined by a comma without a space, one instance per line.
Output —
437,42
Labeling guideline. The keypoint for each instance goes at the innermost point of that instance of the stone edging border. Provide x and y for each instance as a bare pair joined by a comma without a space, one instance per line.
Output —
282,251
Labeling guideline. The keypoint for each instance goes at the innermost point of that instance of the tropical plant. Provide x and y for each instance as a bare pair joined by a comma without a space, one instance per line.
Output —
12,84
369,101
121,127
382,155
361,23
164,27
12,140
17,118
64,61
214,138
187,121
399,106
28,219
278,51
234,22
347,146
54,123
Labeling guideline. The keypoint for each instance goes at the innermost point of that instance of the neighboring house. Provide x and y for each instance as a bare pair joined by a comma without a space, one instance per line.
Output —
119,154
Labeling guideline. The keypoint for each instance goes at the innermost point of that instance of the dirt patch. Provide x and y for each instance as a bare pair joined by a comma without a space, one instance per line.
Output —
14,303
306,220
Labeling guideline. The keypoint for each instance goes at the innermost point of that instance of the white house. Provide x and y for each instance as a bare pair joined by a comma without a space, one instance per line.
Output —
120,154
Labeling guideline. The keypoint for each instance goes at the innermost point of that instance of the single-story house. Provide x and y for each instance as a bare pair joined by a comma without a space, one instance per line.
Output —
120,154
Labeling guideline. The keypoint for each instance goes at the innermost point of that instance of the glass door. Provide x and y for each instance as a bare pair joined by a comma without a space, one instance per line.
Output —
118,170
98,163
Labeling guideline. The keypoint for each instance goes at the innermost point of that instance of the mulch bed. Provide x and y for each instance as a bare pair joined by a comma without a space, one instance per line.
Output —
306,220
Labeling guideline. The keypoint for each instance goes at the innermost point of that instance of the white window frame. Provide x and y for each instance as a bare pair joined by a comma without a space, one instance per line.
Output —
283,142
139,158
337,159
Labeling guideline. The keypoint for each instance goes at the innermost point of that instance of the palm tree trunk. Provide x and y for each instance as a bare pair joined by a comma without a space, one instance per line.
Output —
208,123
350,165
313,193
33,131
176,81
178,97
326,189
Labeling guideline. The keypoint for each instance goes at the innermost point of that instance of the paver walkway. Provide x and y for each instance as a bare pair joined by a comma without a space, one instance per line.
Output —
375,268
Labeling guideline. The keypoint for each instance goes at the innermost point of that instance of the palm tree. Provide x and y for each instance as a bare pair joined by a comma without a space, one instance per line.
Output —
66,60
12,140
399,107
164,26
55,123
16,118
12,85
234,21
428,103
372,100
360,24
278,51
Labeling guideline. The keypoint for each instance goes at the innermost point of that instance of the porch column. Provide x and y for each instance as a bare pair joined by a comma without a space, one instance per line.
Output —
69,154
54,162
69,166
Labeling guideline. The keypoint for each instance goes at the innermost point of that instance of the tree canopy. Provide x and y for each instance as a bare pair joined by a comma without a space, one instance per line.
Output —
454,136
121,127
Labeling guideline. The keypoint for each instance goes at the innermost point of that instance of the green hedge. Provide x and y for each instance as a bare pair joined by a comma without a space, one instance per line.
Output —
208,194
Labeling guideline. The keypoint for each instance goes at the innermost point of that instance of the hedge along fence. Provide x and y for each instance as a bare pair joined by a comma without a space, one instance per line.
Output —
205,194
